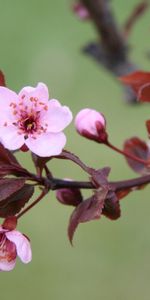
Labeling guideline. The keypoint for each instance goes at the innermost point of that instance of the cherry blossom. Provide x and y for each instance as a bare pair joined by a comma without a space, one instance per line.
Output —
13,243
30,120
91,124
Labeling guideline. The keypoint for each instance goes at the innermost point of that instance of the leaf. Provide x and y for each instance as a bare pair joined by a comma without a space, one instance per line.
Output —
147,123
111,206
123,193
9,164
2,79
70,156
139,149
99,177
8,186
13,204
140,82
88,210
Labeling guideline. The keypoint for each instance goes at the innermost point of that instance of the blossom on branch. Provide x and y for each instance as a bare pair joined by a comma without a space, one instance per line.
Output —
29,120
91,124
12,244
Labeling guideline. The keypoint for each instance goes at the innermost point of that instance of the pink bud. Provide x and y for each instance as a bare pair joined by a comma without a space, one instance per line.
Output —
91,124
69,196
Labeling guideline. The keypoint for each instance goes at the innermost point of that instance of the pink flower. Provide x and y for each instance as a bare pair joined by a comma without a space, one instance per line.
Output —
13,243
30,120
91,124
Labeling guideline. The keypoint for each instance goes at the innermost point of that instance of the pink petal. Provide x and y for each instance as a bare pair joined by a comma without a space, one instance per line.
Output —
40,92
22,245
47,144
10,137
57,117
7,265
6,98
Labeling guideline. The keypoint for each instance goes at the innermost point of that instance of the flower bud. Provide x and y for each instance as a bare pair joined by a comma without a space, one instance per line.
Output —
69,196
92,125
81,11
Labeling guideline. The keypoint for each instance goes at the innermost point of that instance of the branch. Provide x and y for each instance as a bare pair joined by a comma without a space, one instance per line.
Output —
55,184
112,50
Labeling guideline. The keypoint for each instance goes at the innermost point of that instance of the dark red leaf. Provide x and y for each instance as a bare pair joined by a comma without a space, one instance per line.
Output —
140,82
16,202
9,164
99,177
8,186
111,206
41,161
70,156
2,79
88,210
139,149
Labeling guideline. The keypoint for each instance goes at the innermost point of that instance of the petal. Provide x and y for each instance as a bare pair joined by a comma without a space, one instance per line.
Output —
10,137
47,144
40,92
7,265
6,98
57,117
22,245
8,254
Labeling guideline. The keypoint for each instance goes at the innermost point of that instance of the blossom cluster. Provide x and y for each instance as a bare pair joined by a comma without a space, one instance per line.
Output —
30,121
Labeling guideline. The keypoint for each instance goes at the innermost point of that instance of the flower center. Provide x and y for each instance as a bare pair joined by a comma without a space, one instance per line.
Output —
28,116
29,124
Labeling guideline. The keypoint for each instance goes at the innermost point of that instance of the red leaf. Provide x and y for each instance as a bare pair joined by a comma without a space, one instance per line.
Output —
139,149
123,193
90,209
111,206
140,82
148,127
2,79
13,204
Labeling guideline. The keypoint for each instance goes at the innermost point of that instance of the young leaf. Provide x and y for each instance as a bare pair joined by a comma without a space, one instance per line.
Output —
88,210
139,149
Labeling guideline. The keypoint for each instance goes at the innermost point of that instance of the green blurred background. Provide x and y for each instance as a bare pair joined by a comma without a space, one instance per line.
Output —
41,41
